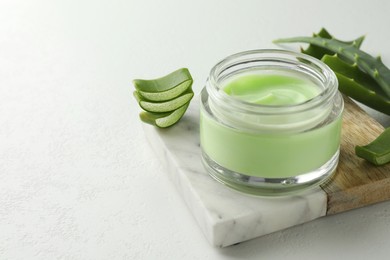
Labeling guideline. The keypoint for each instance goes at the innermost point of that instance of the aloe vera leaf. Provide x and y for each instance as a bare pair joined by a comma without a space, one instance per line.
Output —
165,83
163,120
165,106
358,85
378,151
372,66
351,71
319,52
168,94
358,92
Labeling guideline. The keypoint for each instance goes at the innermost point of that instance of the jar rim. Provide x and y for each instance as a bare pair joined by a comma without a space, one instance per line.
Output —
310,65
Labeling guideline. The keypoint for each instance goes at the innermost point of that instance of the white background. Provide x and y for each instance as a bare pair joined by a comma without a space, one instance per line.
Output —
78,179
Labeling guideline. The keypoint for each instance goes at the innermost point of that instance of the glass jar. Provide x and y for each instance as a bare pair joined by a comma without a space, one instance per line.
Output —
270,149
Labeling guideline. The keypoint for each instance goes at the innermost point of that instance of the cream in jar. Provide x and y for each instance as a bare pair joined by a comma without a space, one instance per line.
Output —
270,122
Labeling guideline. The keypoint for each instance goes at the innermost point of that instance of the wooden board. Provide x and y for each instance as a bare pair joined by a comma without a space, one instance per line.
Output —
357,183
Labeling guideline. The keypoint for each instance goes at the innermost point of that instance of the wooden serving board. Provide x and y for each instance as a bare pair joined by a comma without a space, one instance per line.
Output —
357,183
227,217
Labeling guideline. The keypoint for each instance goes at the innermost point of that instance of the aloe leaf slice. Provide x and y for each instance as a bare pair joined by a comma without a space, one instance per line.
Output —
166,106
164,120
168,94
378,151
165,83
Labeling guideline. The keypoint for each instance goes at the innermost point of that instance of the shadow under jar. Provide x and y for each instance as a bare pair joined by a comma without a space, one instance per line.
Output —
270,122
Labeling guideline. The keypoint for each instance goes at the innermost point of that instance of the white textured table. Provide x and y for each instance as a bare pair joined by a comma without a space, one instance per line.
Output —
78,179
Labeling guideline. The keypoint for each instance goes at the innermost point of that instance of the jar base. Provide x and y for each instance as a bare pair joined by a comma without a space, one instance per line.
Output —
270,186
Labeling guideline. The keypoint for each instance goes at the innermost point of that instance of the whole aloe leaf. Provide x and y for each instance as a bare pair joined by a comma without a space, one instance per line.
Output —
370,65
318,52
358,85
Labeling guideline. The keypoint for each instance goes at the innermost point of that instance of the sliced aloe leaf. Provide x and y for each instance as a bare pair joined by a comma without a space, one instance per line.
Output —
166,106
378,151
165,83
168,94
150,118
164,120
164,99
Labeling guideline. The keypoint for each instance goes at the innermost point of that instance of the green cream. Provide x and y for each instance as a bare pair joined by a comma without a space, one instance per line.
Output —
271,89
269,154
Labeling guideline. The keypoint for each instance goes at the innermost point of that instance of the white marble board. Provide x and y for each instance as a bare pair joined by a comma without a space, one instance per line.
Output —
225,216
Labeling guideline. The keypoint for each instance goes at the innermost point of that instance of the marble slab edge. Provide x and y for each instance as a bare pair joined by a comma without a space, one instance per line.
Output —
225,216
